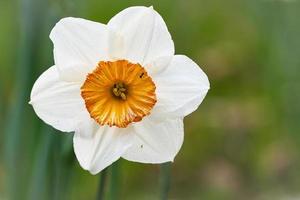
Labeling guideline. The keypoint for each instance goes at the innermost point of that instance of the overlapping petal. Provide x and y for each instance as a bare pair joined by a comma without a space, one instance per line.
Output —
155,142
144,34
57,102
105,146
79,45
180,88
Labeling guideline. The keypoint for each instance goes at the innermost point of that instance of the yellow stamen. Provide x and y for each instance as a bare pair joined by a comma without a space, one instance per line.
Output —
119,90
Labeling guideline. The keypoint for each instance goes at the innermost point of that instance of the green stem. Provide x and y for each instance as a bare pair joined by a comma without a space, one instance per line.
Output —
102,184
165,180
115,181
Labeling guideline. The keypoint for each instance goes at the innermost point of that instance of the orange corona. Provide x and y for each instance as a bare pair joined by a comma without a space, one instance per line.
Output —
117,93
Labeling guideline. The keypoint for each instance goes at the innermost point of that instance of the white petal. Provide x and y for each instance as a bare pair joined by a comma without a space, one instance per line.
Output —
144,33
106,145
156,142
87,127
79,45
180,88
56,102
158,65
116,47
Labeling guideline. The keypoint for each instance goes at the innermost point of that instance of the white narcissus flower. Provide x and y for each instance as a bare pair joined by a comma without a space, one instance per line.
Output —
120,88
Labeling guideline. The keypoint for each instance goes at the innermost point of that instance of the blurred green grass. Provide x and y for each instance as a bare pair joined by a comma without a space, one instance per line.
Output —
243,141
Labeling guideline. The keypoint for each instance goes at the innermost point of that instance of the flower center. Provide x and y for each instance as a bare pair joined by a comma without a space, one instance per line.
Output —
118,93
119,90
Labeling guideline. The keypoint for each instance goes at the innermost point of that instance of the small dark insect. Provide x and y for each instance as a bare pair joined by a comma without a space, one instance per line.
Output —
141,76
142,146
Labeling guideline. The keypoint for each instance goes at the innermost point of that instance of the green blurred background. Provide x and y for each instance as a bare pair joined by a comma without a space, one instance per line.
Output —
242,143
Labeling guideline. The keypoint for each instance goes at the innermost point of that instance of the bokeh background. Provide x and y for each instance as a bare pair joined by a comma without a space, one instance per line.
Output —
242,143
